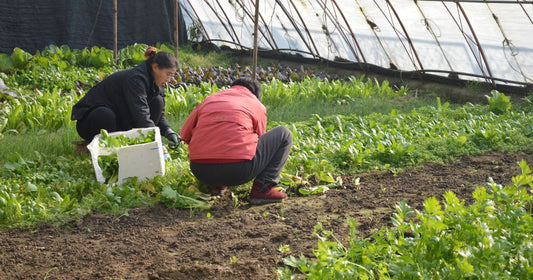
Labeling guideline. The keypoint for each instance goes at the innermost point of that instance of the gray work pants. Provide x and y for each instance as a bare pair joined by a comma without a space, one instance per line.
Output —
270,157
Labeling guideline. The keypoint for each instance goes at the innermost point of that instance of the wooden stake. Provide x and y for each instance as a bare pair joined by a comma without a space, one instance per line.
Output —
256,25
115,32
176,31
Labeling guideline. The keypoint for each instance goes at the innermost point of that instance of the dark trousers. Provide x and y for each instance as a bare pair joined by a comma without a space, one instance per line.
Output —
266,166
102,117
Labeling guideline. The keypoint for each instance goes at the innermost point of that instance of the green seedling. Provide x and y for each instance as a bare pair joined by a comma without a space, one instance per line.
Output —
284,248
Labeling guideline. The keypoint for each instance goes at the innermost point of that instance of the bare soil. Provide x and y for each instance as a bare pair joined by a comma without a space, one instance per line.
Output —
236,242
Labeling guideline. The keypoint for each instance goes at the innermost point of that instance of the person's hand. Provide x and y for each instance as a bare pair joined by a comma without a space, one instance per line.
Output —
173,140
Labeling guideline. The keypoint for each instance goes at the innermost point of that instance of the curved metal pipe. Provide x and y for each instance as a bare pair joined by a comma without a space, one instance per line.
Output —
507,42
296,28
465,37
351,33
221,20
482,52
480,49
406,35
428,27
229,21
337,26
373,27
198,20
268,30
397,35
251,16
525,12
305,27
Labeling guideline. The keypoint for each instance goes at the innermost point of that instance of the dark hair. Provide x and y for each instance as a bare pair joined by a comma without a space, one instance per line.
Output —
163,59
253,85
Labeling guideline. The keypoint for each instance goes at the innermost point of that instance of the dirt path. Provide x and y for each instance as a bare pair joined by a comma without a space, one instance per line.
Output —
235,243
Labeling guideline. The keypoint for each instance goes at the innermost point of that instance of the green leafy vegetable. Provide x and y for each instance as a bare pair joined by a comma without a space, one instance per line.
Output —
172,198
109,163
121,140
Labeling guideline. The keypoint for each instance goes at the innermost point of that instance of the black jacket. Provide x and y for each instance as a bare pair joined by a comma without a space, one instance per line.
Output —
128,94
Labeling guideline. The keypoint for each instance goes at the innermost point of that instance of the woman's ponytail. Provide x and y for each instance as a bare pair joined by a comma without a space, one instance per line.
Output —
162,59
150,52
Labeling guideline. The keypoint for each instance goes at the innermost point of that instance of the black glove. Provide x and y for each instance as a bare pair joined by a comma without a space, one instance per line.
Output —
173,139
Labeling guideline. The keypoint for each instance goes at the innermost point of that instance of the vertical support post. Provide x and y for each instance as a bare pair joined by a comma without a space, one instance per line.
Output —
115,32
256,27
176,31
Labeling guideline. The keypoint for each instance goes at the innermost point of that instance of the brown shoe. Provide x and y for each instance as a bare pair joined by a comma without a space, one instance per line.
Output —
265,193
81,147
220,191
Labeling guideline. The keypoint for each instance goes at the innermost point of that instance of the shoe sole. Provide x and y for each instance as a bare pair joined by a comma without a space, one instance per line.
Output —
259,201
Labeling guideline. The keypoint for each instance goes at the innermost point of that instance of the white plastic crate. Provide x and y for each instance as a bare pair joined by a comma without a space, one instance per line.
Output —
143,161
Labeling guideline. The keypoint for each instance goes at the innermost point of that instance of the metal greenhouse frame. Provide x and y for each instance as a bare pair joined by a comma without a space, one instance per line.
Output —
446,40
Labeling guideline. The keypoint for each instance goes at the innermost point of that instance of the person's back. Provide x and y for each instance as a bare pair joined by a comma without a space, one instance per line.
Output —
229,124
114,92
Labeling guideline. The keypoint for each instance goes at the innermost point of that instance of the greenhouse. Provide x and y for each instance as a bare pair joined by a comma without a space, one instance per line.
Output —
472,40
266,139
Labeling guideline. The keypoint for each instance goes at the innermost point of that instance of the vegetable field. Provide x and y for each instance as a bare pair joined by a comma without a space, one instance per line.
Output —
384,182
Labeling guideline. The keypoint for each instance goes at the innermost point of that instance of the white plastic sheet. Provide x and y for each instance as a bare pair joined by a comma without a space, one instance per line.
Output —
483,40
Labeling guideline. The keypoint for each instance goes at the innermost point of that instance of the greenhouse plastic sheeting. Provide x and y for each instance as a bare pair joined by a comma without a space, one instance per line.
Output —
488,41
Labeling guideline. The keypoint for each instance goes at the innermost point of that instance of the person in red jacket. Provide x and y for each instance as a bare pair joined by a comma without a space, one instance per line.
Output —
229,144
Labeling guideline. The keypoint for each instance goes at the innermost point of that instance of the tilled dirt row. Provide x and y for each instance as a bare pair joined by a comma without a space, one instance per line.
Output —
235,242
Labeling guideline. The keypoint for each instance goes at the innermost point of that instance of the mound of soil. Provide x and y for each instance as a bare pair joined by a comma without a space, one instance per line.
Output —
234,242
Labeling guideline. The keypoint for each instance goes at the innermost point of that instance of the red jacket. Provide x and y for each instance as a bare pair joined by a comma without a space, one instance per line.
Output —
225,127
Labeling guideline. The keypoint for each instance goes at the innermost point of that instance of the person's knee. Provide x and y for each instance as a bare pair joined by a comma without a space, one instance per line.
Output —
104,116
98,119
285,134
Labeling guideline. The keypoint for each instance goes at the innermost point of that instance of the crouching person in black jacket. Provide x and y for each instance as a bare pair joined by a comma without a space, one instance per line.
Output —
131,98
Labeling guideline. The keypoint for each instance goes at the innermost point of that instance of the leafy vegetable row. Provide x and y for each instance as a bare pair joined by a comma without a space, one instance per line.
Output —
337,131
489,239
